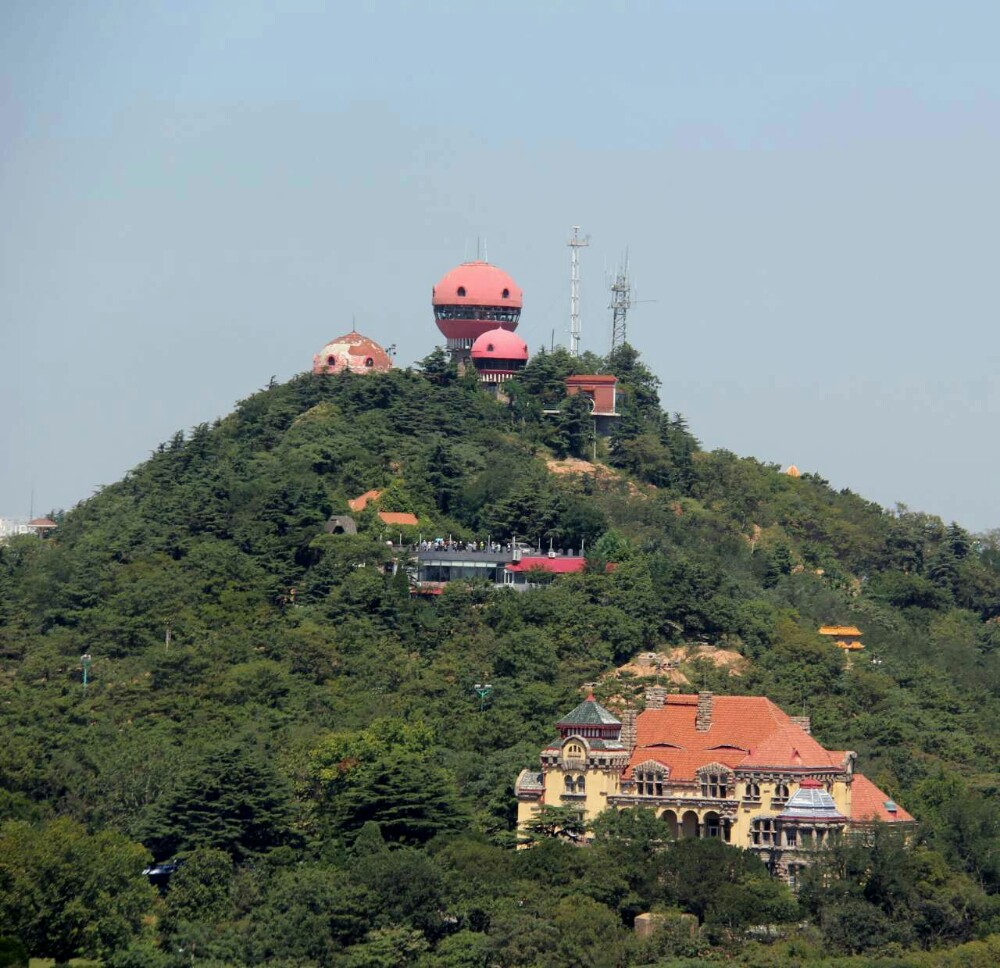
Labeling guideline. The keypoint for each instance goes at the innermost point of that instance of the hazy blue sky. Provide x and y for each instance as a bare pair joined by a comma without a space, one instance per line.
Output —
196,196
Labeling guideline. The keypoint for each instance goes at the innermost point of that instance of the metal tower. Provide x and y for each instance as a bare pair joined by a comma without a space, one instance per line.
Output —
621,301
575,244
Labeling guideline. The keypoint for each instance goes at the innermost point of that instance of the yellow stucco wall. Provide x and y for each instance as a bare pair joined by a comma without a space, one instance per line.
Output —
600,784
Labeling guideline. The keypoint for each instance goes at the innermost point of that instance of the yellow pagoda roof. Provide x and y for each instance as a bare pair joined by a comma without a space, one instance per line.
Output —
839,630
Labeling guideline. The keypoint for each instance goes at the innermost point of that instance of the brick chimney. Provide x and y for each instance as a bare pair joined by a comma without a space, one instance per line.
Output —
628,734
655,697
703,717
804,722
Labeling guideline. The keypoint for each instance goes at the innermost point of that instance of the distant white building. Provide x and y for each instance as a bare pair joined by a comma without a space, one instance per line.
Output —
9,527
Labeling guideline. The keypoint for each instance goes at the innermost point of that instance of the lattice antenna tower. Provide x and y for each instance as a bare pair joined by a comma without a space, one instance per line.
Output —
575,244
621,302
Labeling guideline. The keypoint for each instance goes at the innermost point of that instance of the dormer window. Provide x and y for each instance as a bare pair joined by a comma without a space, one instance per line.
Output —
715,786
461,290
650,778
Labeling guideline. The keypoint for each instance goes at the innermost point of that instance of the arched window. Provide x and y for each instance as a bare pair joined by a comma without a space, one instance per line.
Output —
461,290
568,784
752,791
506,294
369,361
780,793
581,784
331,361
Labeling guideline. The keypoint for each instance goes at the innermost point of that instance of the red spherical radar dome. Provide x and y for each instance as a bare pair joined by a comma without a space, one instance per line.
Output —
474,298
499,344
353,352
498,355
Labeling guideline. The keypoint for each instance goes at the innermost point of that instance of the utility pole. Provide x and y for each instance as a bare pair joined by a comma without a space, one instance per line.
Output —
482,689
575,244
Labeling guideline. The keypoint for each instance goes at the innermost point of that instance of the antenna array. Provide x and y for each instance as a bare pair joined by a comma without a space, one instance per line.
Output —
621,301
575,244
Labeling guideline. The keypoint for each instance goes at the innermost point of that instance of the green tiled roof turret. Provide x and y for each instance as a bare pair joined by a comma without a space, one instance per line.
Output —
589,713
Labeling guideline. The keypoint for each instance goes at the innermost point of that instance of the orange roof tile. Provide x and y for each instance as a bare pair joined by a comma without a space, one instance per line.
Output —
839,630
360,503
868,802
745,731
398,517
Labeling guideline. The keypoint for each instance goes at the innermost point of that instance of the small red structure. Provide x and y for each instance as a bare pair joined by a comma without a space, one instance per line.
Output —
498,354
472,299
602,390
397,518
42,526
361,502
352,352
400,518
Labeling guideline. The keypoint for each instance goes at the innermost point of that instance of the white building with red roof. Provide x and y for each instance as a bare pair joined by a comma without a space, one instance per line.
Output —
734,767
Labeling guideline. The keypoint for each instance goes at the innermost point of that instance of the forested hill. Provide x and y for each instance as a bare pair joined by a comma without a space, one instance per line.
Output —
264,701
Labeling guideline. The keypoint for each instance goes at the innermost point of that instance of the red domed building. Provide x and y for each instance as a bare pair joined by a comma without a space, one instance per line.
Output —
473,299
498,355
352,352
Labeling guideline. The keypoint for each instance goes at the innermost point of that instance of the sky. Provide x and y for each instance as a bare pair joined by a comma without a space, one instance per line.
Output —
196,196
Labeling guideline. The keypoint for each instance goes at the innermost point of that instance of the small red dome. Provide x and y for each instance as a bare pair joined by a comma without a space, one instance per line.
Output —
499,344
477,284
353,352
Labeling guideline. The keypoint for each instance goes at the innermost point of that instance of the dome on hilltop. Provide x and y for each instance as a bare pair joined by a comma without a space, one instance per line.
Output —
353,352
497,355
473,298
477,284
499,344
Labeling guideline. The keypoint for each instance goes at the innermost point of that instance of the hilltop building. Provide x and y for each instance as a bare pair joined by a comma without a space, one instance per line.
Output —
472,299
354,353
602,389
733,767
440,563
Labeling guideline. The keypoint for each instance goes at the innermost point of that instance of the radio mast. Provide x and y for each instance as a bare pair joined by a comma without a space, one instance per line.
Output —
575,244
621,301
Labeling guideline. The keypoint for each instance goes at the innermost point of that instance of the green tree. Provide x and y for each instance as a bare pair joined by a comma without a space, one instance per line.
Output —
233,799
66,893
564,823
389,774
438,368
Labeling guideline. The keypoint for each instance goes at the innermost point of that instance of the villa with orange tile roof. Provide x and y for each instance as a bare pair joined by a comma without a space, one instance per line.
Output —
734,767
